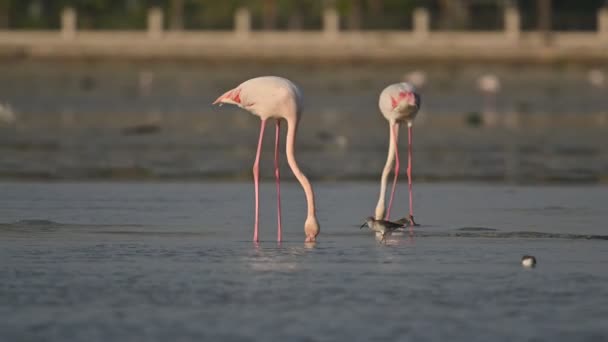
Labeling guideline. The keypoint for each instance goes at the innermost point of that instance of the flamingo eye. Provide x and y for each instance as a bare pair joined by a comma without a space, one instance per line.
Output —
236,97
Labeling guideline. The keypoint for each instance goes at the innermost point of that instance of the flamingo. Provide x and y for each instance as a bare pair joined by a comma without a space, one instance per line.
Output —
398,103
271,97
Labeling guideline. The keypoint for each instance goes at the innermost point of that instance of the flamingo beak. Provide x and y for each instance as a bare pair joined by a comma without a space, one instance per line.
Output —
363,225
405,97
223,99
410,98
231,96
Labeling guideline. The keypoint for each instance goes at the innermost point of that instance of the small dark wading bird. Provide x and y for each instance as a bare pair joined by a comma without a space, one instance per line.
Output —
382,228
271,97
398,103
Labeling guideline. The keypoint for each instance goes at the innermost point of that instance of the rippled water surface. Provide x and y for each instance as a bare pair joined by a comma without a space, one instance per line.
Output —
160,262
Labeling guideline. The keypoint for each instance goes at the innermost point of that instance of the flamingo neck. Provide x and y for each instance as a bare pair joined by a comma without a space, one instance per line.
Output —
380,207
292,127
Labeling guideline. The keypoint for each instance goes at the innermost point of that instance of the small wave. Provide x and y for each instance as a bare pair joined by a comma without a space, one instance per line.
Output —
36,222
513,235
43,225
154,233
30,225
548,209
477,229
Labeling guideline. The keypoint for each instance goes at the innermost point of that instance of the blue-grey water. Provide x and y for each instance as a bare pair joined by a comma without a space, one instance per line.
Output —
174,262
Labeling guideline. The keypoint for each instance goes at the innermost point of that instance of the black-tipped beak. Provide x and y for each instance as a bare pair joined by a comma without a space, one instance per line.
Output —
363,225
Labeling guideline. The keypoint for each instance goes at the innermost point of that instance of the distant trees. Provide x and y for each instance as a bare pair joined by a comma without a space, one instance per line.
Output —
299,14
4,10
176,14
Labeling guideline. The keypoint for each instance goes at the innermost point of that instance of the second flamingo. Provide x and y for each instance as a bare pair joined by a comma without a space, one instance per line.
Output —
398,103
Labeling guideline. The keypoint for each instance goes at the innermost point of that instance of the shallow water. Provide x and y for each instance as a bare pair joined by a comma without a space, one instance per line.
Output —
124,261
155,121
227,152
118,90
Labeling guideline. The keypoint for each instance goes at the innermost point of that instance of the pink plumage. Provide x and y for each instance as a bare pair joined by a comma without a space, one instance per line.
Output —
271,97
398,103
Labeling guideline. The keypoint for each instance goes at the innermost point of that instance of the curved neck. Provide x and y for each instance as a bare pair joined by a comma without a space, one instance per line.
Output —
292,127
380,207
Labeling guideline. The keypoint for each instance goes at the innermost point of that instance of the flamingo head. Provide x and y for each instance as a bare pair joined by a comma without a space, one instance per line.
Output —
406,100
230,97
311,229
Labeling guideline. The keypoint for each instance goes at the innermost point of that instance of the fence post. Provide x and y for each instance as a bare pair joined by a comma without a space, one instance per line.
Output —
68,23
331,22
242,22
421,23
155,23
512,23
602,23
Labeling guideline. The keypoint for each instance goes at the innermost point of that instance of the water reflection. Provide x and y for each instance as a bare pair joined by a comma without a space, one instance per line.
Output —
310,245
283,256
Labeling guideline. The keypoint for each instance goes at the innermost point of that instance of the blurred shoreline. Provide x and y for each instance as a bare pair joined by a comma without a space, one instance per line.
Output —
306,47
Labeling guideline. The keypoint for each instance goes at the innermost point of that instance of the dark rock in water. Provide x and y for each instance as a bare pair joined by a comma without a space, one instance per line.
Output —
141,129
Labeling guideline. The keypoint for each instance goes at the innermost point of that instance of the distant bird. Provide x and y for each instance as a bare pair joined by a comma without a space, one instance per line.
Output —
489,85
528,261
597,78
398,103
277,98
6,114
382,227
416,78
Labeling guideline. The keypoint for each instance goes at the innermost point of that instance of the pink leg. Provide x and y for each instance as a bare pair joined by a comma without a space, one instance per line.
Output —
256,181
409,172
278,178
390,201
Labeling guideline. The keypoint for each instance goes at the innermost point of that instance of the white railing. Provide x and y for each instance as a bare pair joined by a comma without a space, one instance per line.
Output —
330,41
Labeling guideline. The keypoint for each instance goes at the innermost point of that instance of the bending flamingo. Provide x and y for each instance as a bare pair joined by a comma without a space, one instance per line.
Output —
398,103
277,98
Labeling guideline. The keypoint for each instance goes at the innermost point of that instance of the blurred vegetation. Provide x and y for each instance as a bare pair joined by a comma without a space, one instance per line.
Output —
296,14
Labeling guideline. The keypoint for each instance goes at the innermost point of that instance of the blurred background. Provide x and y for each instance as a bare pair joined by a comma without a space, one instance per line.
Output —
301,14
512,91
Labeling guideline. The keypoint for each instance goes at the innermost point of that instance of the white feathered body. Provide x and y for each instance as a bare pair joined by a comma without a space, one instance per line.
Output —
268,97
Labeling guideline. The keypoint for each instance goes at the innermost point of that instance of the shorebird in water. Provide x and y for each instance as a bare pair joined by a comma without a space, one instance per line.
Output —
399,103
528,261
271,97
382,228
